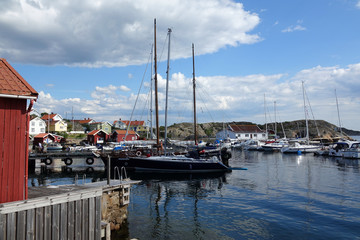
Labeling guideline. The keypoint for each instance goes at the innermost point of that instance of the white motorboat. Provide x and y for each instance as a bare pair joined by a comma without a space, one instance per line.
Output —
338,149
301,148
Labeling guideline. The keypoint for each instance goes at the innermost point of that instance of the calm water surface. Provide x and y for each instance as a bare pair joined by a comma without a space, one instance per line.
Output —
279,197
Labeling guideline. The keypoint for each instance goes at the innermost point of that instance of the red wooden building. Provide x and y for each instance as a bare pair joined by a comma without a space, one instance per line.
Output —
119,135
47,138
97,136
14,132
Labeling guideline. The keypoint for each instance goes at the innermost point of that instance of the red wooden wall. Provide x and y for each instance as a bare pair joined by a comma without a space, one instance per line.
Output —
13,149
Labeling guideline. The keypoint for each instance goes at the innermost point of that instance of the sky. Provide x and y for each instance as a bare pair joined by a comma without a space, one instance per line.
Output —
92,59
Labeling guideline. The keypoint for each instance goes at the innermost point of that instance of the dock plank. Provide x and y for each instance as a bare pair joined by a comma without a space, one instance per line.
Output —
63,221
30,220
20,225
55,222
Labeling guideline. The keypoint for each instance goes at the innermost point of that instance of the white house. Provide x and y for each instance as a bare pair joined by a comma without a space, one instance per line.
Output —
242,132
37,125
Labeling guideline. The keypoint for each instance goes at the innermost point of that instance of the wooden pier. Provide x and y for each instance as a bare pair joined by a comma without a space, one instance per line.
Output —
62,212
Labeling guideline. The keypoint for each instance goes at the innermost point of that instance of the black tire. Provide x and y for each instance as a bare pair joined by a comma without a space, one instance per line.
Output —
90,170
48,161
90,160
68,161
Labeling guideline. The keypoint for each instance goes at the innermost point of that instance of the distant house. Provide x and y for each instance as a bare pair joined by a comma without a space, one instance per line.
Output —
37,125
52,117
118,124
137,126
105,126
55,122
242,132
58,126
46,138
97,136
119,135
14,135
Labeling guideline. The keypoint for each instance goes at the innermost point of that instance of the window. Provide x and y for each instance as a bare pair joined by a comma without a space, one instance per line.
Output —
42,130
32,129
246,135
40,124
263,134
32,123
255,135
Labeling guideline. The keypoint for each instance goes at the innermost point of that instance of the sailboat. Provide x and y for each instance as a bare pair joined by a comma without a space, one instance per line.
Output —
298,147
169,163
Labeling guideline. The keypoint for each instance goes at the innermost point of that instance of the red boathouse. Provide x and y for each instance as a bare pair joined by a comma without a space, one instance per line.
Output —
14,133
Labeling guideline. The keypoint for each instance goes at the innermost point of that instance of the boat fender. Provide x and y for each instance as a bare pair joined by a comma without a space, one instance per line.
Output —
138,153
90,160
68,161
48,160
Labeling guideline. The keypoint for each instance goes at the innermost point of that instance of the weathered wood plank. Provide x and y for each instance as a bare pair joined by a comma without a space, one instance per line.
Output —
55,220
20,225
47,222
63,221
30,220
98,218
39,223
91,218
78,219
85,225
2,226
11,225
71,220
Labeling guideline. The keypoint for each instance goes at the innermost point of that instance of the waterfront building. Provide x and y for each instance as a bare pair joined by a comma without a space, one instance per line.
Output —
14,120
242,132
119,135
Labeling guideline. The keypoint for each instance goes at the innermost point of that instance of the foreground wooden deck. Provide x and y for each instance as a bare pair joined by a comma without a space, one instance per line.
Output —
60,212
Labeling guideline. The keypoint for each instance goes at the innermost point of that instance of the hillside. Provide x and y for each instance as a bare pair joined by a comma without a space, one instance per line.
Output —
184,131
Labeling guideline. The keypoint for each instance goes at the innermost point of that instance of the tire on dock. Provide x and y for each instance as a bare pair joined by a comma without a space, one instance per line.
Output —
48,160
90,160
68,161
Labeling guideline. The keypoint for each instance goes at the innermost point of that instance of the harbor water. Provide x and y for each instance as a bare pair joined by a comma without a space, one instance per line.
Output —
280,196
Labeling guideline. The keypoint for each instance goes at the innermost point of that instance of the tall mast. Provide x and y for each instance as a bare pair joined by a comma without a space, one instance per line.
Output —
338,112
194,96
167,89
266,128
275,119
151,94
306,120
156,90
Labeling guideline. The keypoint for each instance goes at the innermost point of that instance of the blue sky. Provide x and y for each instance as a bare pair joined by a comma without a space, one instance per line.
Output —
90,57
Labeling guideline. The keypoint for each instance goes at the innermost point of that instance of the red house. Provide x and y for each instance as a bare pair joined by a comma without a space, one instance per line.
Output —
46,137
14,133
97,136
119,135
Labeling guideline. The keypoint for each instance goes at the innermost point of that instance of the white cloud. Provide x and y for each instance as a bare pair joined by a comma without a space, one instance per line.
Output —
117,33
358,4
294,28
221,98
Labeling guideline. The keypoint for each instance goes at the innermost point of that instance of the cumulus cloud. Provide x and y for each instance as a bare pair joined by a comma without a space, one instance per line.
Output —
358,4
117,33
222,98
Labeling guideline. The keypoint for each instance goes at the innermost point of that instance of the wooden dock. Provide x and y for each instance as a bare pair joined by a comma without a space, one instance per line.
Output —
61,212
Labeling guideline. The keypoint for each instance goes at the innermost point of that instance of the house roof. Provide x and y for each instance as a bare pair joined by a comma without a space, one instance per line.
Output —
130,132
12,84
43,135
134,123
245,128
85,121
48,116
96,131
94,123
